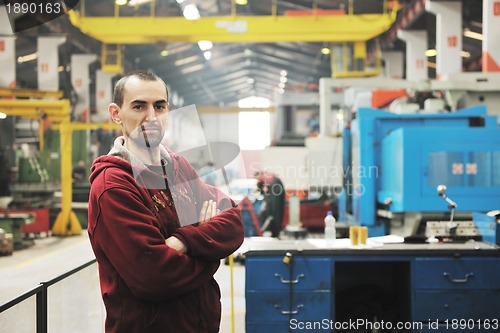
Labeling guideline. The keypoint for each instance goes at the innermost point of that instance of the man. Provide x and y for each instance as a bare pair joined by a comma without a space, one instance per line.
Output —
274,202
79,172
158,232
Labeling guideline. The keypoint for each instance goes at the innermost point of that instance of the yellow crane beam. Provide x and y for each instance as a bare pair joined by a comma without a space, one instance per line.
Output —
233,29
230,109
31,93
90,126
66,222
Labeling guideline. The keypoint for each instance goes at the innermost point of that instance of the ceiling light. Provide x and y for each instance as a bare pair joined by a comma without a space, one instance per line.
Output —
3,115
26,58
205,45
283,79
281,91
254,102
241,2
192,69
465,54
179,1
185,61
281,85
207,55
430,53
473,35
121,2
164,53
250,80
191,12
247,52
325,50
137,2
283,72
476,24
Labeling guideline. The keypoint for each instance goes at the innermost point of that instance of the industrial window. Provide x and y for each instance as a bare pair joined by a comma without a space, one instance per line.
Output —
254,130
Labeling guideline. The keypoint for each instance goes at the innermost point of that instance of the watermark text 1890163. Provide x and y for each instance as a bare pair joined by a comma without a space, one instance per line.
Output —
33,7
35,12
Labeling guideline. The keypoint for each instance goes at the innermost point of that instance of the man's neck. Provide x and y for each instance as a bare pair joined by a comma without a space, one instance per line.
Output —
147,155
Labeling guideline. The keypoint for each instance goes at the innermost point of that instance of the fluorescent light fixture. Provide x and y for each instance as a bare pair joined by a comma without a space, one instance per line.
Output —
191,12
137,2
28,57
465,54
121,2
3,115
476,24
241,2
473,35
192,69
164,53
205,45
207,55
185,61
433,53
325,50
430,53
283,72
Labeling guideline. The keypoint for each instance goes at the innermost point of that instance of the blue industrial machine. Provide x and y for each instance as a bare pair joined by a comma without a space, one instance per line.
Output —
398,161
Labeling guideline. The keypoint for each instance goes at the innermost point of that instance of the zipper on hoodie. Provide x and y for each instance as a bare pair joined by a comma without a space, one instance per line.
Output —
200,314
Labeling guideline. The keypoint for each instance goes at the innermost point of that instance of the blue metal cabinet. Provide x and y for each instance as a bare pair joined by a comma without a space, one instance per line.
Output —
430,287
279,292
455,288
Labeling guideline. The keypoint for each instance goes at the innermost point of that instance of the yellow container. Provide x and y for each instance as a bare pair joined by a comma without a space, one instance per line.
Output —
363,235
354,235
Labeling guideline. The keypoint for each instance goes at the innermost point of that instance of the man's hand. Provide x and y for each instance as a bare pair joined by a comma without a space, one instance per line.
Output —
208,211
174,243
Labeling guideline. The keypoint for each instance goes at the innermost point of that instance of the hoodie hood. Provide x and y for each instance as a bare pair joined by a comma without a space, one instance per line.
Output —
122,158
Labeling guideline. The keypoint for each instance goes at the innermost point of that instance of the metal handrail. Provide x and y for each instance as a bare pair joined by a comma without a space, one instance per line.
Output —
42,296
20,298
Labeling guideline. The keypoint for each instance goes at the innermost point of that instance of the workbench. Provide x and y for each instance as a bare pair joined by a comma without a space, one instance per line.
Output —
312,286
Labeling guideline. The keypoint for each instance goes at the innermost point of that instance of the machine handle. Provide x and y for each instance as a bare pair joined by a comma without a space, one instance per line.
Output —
289,281
291,312
464,280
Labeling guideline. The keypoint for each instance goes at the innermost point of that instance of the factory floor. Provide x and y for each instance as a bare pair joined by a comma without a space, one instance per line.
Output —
50,257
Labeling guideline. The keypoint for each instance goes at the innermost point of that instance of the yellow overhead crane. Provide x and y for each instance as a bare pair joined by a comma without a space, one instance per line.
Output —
319,26
233,29
58,111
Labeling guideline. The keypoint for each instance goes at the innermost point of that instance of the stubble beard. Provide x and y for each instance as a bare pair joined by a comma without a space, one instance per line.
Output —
147,135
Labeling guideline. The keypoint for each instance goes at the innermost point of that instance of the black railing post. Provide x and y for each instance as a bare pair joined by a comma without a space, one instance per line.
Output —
41,310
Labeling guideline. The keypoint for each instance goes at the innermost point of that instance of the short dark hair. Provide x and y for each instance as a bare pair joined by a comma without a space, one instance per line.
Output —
142,75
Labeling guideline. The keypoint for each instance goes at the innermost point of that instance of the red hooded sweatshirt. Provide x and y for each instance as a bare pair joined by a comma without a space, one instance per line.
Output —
146,285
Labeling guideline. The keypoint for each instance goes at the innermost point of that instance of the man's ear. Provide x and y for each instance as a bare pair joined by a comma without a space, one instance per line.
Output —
114,111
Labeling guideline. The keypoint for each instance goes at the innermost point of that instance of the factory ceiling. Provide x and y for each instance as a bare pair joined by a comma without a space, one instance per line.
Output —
234,70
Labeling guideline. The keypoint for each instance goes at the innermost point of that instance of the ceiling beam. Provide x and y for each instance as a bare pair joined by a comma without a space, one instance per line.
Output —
231,29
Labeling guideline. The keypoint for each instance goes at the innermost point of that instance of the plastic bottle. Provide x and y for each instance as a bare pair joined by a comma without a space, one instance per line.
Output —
330,232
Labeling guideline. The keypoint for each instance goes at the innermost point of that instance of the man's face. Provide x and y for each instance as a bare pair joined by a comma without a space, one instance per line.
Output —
144,111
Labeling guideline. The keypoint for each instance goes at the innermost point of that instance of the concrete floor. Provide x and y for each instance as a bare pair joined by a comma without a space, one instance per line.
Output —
52,256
